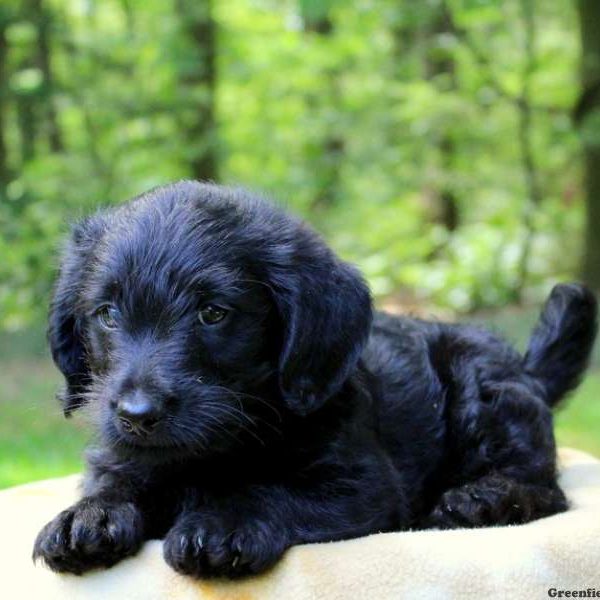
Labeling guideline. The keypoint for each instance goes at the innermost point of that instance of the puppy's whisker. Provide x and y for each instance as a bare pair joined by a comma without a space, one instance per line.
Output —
216,411
246,428
233,412
253,420
239,394
178,427
218,425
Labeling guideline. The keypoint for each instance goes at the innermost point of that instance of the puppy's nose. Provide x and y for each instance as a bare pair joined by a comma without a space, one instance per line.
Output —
138,413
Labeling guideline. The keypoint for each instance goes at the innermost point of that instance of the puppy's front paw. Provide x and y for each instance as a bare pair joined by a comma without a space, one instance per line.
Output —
92,533
212,545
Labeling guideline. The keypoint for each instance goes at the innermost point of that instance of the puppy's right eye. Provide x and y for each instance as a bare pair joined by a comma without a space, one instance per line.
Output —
211,314
107,316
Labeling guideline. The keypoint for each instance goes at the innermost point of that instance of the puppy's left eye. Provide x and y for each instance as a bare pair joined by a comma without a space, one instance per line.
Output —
211,314
107,316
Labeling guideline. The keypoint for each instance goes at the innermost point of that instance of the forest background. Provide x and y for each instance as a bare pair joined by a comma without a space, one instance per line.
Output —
450,148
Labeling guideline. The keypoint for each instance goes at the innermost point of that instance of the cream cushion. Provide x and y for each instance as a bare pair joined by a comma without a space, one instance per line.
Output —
525,561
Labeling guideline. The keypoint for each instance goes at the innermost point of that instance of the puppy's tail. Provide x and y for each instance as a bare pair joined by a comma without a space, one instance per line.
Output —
562,341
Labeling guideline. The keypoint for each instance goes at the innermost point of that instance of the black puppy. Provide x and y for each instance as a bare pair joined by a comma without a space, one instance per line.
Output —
247,401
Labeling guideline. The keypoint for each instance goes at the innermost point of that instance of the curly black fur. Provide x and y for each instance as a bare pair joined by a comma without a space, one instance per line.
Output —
299,416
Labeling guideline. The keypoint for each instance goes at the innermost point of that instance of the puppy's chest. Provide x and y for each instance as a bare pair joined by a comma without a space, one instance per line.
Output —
222,475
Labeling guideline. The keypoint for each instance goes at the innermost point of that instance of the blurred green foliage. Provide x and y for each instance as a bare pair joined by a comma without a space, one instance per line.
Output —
396,127
433,144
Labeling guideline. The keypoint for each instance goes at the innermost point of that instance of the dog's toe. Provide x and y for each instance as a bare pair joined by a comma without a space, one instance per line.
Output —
216,546
88,535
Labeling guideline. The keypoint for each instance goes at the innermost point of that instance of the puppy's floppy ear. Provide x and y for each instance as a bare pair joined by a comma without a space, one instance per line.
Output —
65,334
326,310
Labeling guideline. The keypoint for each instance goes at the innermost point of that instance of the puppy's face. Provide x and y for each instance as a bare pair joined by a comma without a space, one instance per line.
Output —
176,354
183,316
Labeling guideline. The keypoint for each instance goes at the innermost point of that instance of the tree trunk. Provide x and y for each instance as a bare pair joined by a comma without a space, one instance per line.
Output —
332,146
531,176
129,12
589,15
42,21
4,168
200,79
27,124
440,63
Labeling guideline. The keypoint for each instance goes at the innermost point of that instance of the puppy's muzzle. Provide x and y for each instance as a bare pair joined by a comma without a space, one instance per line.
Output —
139,414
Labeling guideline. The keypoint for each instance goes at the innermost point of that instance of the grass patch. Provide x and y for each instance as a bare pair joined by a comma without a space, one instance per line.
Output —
515,325
36,441
578,420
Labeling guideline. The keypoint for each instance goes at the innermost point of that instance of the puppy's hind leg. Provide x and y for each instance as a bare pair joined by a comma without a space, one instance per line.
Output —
503,466
494,500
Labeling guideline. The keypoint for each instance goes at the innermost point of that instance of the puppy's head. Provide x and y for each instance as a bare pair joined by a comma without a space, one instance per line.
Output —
181,314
